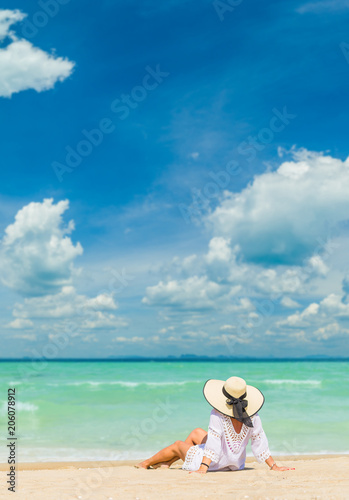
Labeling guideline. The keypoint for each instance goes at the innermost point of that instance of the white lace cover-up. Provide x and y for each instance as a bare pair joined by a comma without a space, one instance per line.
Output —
225,447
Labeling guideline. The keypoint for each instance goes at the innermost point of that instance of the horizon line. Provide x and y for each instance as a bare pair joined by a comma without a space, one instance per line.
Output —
185,357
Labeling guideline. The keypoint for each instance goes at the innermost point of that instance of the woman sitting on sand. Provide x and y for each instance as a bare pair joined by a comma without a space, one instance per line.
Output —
233,422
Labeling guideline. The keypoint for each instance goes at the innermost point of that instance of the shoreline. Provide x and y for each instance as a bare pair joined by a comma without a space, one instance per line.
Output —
88,464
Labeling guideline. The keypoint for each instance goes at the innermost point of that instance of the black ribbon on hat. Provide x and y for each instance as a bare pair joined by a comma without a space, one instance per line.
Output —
239,405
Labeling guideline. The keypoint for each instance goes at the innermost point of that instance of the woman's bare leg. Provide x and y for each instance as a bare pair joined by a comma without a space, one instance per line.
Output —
177,449
197,436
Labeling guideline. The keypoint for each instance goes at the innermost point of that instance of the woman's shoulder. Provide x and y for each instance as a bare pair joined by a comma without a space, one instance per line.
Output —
216,413
256,422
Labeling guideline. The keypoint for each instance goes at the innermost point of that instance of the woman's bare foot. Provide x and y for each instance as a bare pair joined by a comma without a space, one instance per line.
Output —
159,465
143,465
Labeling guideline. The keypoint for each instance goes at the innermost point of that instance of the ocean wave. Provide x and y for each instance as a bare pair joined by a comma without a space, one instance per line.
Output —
125,383
20,406
292,382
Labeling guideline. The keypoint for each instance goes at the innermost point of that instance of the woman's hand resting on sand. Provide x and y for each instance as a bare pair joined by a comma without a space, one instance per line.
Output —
202,470
276,467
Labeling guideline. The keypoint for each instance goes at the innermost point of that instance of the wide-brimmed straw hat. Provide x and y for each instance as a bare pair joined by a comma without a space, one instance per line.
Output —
234,398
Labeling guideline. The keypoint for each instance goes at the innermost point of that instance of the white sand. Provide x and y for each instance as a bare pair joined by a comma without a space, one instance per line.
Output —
323,477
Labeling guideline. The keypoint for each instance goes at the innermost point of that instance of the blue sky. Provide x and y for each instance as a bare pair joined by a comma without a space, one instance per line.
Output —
210,216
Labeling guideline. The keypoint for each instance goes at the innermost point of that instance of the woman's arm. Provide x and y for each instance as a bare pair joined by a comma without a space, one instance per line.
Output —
202,469
272,465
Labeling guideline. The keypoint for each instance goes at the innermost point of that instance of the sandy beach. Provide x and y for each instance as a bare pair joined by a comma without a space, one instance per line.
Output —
315,477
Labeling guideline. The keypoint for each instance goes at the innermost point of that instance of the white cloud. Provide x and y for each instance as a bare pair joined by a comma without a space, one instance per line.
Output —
36,252
325,332
220,278
192,293
228,328
77,311
7,18
282,215
23,66
229,340
272,281
193,335
323,6
131,340
37,257
320,319
318,265
299,207
218,250
303,319
290,303
103,321
20,324
166,330
333,305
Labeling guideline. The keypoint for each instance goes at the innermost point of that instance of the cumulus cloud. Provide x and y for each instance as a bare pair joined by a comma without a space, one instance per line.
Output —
305,318
23,66
281,216
272,244
229,340
130,340
103,321
37,256
334,305
218,250
269,238
227,328
7,18
220,278
325,332
192,293
72,310
20,324
323,320
36,252
290,303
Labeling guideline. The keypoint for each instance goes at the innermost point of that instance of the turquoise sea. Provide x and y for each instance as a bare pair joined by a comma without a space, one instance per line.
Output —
128,410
